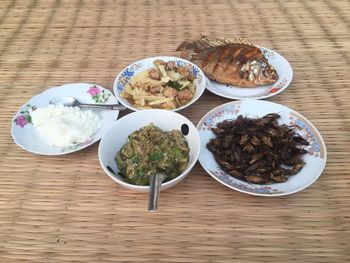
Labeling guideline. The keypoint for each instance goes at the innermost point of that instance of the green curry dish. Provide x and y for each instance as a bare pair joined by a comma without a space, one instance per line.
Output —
150,150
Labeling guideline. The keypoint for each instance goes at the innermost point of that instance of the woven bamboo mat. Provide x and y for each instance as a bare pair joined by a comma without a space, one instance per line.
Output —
65,209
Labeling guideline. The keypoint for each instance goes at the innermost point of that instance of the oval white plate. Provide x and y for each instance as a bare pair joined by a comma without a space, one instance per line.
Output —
283,69
315,158
130,71
25,135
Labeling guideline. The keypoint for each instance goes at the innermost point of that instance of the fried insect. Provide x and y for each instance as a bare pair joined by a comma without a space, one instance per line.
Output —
260,150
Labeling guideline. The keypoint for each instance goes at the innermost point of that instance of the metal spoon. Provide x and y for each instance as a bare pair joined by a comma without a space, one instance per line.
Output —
154,189
73,102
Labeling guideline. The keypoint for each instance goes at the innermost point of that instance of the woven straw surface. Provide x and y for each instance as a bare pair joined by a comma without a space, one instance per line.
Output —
65,209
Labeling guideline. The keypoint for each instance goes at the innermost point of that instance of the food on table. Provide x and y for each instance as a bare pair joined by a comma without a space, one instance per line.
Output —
230,61
258,150
65,126
150,150
165,86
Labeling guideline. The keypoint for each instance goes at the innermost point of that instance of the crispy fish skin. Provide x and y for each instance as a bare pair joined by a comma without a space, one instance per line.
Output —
230,61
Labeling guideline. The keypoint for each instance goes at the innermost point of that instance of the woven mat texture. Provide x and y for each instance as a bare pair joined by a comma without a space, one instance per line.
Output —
66,209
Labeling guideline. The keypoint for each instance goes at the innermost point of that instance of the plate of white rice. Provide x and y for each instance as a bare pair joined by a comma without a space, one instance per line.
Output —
46,129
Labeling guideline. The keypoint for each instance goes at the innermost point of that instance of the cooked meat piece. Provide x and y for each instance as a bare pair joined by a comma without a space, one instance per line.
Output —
155,90
191,77
170,65
154,74
183,71
170,92
184,95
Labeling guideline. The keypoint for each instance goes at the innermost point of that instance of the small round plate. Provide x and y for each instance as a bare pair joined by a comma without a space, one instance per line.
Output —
25,135
283,69
133,69
315,158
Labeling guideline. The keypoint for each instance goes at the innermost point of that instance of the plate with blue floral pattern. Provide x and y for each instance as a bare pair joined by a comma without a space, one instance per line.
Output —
315,158
27,137
125,76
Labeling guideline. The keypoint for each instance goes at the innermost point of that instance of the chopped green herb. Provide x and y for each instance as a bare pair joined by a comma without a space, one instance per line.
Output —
141,173
135,158
157,155
176,151
175,85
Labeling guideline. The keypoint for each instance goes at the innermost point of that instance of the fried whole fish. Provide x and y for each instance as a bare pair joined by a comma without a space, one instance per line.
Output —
230,61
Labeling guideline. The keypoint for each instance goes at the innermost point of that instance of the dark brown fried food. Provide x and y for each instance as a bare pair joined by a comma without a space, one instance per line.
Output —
258,150
230,61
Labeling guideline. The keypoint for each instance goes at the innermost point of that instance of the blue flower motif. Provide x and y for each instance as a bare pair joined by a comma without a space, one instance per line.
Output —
128,73
195,71
180,63
120,87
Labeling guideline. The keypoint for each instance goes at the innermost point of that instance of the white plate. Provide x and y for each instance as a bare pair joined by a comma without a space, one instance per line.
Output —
26,136
130,71
315,158
283,69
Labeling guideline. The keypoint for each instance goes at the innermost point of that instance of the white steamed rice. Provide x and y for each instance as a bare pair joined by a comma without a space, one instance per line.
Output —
65,126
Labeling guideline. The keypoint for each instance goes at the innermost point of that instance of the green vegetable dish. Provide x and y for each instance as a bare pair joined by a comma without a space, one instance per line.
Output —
150,150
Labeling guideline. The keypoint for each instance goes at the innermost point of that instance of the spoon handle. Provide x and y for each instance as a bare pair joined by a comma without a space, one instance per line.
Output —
102,106
154,190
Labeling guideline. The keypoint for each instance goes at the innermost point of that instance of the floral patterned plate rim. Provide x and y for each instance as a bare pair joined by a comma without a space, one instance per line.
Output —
130,71
283,68
26,136
315,158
